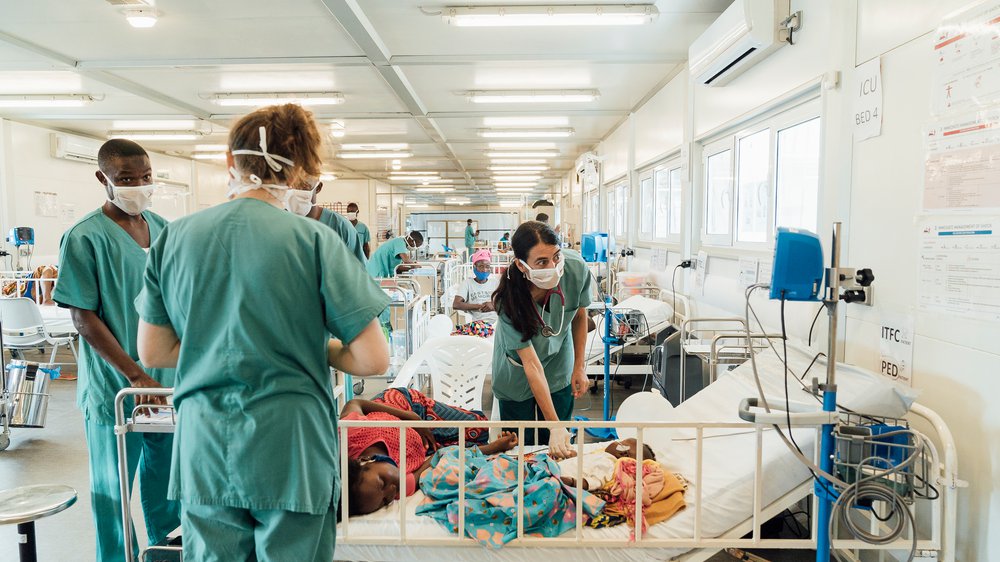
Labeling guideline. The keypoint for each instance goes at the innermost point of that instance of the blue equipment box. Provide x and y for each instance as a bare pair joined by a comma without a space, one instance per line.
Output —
594,247
798,265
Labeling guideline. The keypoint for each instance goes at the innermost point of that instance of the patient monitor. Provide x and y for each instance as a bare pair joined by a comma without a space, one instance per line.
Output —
797,274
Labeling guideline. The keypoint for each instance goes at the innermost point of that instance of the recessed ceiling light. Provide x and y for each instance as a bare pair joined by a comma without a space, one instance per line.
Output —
523,16
374,154
260,99
376,146
525,133
531,96
156,135
141,17
518,154
518,168
45,100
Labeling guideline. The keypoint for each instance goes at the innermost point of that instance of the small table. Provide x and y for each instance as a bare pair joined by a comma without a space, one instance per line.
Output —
26,504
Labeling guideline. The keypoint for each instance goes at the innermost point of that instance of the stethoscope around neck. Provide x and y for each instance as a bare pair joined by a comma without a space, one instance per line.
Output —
547,330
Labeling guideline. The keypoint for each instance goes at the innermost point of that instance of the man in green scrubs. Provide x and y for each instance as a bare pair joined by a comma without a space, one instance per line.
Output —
102,258
383,263
470,239
256,440
343,227
364,234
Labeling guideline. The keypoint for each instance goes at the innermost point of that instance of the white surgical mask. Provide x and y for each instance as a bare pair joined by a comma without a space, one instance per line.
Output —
352,216
131,200
279,192
544,278
299,201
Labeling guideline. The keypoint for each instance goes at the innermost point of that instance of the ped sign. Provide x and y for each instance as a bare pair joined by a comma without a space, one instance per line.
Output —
896,347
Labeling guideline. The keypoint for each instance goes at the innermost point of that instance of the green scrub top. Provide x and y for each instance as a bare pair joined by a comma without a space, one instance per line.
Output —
470,237
555,353
386,257
100,269
346,231
254,293
363,233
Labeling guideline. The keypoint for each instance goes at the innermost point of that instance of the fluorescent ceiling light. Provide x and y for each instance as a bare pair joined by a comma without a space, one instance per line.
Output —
156,135
141,17
499,169
209,156
518,16
532,154
515,184
259,99
415,179
434,189
508,173
522,145
45,100
414,173
374,154
501,161
531,96
376,146
525,121
514,189
211,147
510,204
327,176
516,178
525,133
156,125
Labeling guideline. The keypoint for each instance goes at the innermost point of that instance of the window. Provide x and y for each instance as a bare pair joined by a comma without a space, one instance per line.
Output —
592,210
797,183
763,176
610,194
621,210
753,186
646,208
660,203
718,195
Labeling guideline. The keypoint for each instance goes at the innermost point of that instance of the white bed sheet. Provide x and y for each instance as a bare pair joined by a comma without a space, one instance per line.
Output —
728,477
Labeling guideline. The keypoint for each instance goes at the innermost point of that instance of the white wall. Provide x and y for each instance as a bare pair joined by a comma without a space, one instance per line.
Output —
873,187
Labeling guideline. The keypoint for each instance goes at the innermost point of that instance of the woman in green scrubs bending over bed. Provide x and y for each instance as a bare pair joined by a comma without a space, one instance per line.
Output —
538,353
253,304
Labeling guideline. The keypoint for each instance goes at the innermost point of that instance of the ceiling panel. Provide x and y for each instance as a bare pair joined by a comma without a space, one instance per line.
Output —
95,30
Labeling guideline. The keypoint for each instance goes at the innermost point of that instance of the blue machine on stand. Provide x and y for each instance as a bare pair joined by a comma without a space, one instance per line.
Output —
595,248
23,240
798,275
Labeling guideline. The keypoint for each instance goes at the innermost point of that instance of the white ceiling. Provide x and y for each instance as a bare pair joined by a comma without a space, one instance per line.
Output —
400,68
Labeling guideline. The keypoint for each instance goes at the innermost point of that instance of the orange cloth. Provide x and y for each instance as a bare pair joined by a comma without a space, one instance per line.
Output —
662,491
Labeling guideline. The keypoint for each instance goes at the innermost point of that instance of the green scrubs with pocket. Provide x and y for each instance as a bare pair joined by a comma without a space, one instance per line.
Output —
470,241
556,353
385,259
364,235
256,467
346,231
100,269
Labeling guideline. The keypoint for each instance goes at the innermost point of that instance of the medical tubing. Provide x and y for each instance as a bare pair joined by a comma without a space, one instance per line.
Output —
864,487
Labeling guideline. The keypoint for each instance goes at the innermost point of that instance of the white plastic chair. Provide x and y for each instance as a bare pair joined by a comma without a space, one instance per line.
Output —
23,328
440,326
458,366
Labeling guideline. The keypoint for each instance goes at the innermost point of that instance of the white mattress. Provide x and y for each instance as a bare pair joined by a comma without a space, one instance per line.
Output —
728,478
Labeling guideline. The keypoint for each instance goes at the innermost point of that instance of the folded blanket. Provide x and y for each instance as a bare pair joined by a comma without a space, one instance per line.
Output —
662,493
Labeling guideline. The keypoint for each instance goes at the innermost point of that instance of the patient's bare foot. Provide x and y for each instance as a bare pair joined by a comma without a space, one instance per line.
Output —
506,442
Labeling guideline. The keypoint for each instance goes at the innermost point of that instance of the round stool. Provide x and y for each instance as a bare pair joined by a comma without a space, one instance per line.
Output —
26,504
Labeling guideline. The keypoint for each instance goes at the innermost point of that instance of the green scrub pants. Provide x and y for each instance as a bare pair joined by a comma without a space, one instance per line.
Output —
218,533
562,401
150,454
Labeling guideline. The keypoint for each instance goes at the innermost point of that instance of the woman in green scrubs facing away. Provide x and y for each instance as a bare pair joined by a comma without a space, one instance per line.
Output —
538,353
253,304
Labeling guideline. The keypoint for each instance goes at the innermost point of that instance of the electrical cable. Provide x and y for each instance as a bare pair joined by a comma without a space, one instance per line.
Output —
813,325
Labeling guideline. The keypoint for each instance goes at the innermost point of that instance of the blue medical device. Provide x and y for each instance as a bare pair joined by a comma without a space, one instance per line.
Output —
594,247
21,236
798,266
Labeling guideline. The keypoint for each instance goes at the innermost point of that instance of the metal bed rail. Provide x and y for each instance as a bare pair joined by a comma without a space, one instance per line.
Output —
940,544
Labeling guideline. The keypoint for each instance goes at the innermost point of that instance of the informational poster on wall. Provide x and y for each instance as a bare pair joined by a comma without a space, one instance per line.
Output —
868,100
967,59
962,166
764,270
46,204
748,272
658,262
959,270
700,269
896,347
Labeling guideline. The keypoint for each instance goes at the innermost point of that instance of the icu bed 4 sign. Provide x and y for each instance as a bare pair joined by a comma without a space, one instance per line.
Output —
896,347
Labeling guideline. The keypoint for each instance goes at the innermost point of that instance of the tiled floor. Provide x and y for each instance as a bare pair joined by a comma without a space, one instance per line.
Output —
57,454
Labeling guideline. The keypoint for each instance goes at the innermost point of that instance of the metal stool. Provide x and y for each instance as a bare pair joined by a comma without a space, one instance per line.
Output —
26,504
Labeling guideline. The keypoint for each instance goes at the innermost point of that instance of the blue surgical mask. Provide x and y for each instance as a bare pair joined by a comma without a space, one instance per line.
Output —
481,275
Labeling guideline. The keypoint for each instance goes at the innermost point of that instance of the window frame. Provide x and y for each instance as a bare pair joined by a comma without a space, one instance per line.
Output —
666,166
711,150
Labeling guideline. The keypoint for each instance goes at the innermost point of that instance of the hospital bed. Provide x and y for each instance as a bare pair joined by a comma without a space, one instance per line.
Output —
739,474
638,323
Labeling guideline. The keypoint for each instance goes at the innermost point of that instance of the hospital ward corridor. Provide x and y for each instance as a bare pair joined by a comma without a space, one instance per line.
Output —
499,280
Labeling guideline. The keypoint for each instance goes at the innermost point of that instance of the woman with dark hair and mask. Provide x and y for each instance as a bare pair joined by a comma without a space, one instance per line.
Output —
541,332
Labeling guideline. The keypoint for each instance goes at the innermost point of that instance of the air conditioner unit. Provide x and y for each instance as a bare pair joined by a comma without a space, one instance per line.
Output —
745,34
77,149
